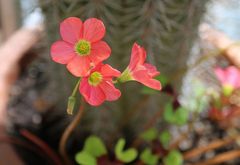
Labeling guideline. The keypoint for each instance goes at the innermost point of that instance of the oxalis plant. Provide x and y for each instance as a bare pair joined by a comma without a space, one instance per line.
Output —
83,51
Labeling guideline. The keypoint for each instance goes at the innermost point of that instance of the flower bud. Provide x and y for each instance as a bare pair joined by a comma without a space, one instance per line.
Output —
71,104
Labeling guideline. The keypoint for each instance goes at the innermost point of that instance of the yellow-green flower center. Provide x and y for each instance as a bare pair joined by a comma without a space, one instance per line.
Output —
83,48
95,78
227,89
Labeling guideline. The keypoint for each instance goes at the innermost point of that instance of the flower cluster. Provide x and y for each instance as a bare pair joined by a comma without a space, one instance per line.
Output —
83,52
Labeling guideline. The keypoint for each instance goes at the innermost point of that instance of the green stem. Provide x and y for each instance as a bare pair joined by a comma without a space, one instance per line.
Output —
76,88
67,133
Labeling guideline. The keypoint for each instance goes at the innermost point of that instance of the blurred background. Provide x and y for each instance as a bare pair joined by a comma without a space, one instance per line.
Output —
184,39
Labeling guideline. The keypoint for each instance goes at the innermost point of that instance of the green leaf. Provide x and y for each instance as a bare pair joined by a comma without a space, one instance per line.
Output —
84,158
165,138
94,146
127,155
168,114
148,158
173,158
163,79
150,134
149,91
181,116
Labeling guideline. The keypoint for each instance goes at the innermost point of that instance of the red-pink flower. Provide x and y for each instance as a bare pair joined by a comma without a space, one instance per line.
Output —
98,85
229,78
140,71
81,47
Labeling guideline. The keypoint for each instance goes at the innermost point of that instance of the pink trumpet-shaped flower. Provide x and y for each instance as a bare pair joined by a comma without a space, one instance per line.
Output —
81,47
98,85
229,78
140,71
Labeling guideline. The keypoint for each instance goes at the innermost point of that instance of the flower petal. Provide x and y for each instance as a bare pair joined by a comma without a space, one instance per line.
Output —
233,76
100,51
94,30
138,56
71,29
93,95
62,52
84,88
108,71
79,66
143,77
152,70
220,75
110,91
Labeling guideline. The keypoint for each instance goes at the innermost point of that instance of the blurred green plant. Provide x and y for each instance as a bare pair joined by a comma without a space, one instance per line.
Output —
125,156
165,138
93,149
95,146
85,158
178,116
149,135
173,158
148,158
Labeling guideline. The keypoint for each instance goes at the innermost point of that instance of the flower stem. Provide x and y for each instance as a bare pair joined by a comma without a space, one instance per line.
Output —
76,88
68,131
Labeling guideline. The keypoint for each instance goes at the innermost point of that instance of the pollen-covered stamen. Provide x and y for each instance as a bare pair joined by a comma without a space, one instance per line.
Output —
95,78
83,48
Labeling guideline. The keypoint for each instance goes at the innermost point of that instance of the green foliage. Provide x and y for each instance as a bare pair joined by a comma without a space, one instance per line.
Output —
168,114
94,146
173,158
85,158
163,79
165,138
127,155
148,91
150,134
148,157
179,117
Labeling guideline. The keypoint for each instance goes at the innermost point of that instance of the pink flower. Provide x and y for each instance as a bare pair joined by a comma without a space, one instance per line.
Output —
81,47
139,71
98,86
229,78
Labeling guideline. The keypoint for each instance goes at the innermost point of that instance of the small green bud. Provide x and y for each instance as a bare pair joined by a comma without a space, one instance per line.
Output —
71,104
